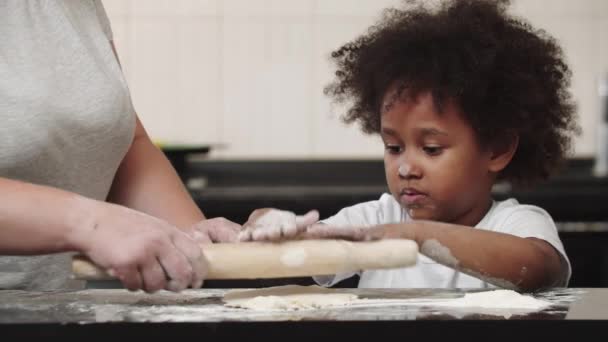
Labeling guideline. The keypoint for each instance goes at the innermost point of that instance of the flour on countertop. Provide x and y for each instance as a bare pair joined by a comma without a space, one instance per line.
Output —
497,299
313,297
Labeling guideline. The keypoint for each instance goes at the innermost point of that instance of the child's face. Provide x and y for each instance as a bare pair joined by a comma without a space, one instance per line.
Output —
434,166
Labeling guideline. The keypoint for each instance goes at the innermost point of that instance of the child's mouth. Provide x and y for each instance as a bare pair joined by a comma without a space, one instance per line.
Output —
411,196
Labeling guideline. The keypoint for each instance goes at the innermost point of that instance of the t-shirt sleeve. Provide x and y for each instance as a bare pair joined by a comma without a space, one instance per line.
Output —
528,221
359,215
104,21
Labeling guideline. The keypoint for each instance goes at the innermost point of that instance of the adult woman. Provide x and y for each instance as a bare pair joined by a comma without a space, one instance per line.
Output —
78,173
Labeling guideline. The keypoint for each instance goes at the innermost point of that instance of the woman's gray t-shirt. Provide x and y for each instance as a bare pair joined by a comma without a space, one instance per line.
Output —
66,117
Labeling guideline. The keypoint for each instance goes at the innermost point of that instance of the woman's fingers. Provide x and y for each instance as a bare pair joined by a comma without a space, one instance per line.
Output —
194,254
153,276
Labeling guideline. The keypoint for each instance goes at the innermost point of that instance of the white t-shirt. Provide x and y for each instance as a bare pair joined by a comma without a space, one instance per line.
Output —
66,115
505,216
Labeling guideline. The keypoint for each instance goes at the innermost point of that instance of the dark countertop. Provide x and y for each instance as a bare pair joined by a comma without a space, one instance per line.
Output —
103,312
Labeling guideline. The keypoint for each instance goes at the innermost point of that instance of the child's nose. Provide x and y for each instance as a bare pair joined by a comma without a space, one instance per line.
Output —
404,170
408,170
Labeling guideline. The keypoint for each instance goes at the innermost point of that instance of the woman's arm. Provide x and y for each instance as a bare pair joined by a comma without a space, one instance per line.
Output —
146,181
139,249
36,219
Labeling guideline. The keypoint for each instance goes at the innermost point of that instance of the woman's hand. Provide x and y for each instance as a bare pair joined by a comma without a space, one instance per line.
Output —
213,230
142,251
269,224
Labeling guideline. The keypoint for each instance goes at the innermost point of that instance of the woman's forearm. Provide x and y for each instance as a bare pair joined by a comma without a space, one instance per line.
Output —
37,219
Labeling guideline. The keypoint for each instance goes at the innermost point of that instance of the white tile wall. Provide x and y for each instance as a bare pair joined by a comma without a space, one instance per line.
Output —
581,27
250,73
267,88
333,138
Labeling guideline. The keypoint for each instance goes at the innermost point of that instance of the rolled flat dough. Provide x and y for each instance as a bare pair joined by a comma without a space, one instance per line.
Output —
296,297
290,297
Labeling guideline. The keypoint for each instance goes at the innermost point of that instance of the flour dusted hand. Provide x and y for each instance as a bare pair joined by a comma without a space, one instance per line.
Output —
273,224
142,251
218,230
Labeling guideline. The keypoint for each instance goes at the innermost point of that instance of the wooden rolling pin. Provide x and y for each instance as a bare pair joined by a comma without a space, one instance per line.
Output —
256,260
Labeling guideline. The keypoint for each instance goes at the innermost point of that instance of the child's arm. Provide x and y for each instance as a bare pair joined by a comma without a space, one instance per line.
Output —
505,260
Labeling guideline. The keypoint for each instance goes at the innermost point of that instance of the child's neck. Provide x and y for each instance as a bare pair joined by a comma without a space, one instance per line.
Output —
472,217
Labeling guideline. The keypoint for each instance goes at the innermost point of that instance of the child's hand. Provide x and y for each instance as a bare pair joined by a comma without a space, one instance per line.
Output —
272,224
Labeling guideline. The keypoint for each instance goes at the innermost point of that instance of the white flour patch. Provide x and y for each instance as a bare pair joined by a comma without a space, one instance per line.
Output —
497,299
438,252
504,303
294,302
294,257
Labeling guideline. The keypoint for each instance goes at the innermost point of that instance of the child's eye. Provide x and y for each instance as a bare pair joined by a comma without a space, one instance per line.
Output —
432,150
393,149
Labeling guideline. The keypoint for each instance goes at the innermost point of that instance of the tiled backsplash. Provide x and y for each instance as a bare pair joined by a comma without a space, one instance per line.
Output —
250,73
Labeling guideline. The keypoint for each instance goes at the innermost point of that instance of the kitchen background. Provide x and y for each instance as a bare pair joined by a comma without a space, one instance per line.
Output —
249,74
242,80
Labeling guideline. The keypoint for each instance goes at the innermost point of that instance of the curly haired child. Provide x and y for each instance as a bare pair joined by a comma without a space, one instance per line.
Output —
463,95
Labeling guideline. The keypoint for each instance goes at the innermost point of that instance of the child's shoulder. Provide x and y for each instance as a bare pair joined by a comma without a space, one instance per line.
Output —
506,214
511,206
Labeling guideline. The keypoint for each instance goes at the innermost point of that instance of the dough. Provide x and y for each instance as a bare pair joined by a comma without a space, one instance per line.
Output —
291,297
295,297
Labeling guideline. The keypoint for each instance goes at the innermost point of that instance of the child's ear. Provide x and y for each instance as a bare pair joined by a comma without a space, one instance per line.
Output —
502,152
